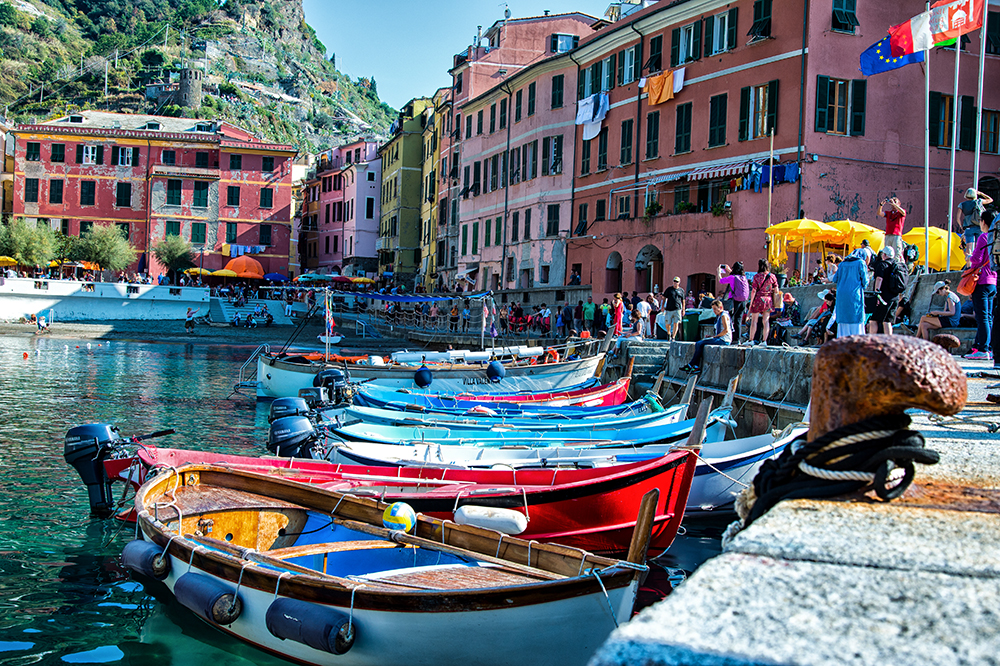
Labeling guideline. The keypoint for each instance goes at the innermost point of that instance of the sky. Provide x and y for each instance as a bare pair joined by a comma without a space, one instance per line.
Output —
408,46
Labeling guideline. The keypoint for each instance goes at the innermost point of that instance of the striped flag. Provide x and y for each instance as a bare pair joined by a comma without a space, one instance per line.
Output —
946,20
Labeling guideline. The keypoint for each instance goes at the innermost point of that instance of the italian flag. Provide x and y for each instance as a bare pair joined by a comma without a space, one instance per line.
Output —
946,20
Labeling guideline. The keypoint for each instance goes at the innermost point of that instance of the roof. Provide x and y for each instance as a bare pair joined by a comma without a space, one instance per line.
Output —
132,121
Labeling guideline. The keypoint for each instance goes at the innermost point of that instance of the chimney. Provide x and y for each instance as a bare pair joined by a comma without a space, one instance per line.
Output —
546,11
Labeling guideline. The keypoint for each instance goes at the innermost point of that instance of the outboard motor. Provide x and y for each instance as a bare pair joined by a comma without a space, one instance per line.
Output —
335,381
291,437
314,396
282,407
86,448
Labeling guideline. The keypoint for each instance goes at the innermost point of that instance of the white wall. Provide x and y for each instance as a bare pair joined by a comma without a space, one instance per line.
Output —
75,301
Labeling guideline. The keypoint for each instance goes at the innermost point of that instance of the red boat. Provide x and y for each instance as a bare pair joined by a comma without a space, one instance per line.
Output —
593,509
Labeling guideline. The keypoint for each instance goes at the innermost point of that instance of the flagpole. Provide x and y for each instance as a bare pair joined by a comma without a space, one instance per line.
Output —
954,146
979,99
927,155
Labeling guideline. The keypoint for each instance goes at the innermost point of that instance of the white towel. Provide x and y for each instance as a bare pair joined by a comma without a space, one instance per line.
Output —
590,130
678,80
585,110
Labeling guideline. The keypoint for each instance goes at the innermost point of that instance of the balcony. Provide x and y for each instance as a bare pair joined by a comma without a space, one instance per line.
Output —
177,171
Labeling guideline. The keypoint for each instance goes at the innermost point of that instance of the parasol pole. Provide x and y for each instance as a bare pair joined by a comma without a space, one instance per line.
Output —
927,154
979,97
770,179
954,142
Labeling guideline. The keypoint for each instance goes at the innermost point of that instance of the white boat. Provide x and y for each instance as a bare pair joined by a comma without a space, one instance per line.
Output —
330,339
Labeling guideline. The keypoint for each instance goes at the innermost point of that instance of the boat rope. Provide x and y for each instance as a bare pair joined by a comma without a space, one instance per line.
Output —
719,471
350,617
875,454
524,493
191,560
600,582
499,543
239,582
277,584
169,541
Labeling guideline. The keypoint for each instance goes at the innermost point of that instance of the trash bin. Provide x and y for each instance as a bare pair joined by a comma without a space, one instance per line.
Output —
690,326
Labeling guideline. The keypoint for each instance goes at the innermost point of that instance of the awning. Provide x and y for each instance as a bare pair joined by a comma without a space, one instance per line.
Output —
667,178
467,272
720,170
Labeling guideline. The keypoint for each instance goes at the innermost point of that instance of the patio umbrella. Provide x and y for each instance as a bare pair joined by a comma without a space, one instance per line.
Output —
855,232
340,278
8,261
276,277
250,275
90,266
198,271
362,280
309,277
938,248
245,264
224,273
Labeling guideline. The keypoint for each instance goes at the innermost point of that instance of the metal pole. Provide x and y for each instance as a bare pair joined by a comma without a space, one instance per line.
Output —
954,141
979,101
927,155
105,78
770,179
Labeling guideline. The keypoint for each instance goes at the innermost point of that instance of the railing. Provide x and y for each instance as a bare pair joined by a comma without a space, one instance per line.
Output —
248,371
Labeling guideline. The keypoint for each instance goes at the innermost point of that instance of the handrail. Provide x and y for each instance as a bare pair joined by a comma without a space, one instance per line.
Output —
248,371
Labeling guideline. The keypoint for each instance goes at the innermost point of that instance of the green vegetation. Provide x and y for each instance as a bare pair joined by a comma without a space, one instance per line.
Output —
29,245
175,253
106,246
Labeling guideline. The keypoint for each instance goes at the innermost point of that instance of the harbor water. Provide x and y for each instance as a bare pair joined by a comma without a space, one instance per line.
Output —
64,598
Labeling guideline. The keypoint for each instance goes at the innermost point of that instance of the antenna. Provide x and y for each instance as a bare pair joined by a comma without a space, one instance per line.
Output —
506,11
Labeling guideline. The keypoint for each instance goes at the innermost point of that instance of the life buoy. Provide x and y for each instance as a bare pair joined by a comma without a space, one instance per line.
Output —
550,355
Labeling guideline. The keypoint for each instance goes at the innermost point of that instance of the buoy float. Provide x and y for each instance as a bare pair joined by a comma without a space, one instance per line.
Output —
25,355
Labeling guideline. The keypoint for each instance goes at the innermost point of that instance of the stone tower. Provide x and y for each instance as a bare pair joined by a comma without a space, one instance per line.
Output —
189,94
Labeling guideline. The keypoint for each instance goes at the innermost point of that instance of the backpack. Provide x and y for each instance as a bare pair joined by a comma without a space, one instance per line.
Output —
993,236
894,284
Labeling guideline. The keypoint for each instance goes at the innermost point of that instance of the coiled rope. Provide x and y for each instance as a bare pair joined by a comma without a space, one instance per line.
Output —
878,453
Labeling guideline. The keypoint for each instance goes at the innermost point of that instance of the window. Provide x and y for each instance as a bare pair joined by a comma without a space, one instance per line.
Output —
720,32
465,239
840,106
761,27
267,164
123,195
201,160
233,196
517,106
65,227
466,183
515,223
844,17
624,207
168,157
543,276
266,197
265,234
173,193
90,154
498,232
58,152
88,192
33,151
371,176
585,158
652,135
231,232
552,223
682,194
235,162
682,141
533,165
203,127
993,33
531,98
527,224
758,110
493,118
370,208
56,191
685,44
198,233
990,141
602,149
717,120
173,228
626,148
476,178
561,43
494,172
468,127
487,237
458,82
124,156
200,194
655,61
600,210
628,65
581,220
552,149
479,122
557,91
31,190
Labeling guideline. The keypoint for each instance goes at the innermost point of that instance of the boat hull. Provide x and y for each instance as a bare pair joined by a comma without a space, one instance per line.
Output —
607,395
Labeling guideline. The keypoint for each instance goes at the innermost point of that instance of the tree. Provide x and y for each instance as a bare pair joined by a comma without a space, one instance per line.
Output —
29,245
66,248
175,253
107,247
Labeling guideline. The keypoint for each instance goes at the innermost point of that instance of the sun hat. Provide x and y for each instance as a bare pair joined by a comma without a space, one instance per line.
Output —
971,193
939,284
788,298
823,294
889,251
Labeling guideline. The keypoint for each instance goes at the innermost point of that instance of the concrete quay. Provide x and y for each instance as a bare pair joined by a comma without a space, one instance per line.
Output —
851,581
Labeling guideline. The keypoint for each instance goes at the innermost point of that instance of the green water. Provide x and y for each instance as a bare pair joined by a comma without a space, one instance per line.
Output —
64,598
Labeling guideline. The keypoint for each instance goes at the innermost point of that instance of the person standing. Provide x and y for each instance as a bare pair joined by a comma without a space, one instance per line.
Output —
762,292
735,280
642,310
673,308
972,214
589,309
983,295
890,282
578,317
567,319
851,280
189,320
618,310
895,217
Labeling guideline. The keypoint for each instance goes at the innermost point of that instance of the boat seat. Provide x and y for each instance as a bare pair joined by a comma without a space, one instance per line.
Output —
330,547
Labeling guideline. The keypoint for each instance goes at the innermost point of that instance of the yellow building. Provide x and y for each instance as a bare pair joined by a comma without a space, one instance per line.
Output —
430,216
399,243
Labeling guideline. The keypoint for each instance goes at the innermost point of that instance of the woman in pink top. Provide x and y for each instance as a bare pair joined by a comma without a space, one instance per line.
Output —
616,318
761,293
985,292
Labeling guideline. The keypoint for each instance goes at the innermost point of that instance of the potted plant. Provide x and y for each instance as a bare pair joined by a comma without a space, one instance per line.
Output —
652,210
684,207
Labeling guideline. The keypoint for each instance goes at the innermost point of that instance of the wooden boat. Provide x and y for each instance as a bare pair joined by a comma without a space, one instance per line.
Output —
607,395
589,508
644,405
311,575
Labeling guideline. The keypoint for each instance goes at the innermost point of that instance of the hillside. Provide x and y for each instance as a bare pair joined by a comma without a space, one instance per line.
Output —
264,67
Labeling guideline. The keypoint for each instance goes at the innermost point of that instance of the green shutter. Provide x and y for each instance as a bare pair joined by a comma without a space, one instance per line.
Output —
709,28
595,77
935,109
771,121
731,31
859,92
100,154
696,47
546,148
675,46
135,157
822,102
611,74
498,235
744,113
580,74
621,67
79,153
966,129
114,155
487,235
637,65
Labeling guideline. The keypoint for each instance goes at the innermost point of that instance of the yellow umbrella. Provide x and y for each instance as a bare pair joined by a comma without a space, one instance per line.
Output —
806,228
198,271
8,261
855,232
938,248
224,273
362,280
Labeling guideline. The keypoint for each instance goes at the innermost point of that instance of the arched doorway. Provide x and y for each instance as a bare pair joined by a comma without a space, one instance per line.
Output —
613,273
648,269
990,186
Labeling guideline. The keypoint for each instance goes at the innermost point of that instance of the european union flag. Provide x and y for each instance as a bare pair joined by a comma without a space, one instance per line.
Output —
877,58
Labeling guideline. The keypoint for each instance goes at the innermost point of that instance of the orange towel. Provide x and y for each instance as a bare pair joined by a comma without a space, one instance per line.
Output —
660,88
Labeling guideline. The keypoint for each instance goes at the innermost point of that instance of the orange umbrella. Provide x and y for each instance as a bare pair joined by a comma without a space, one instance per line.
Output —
248,274
246,264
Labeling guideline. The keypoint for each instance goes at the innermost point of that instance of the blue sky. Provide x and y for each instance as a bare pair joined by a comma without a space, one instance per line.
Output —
408,46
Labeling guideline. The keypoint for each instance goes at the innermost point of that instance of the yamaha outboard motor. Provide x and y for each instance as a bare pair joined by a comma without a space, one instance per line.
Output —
335,381
282,407
86,449
315,396
291,437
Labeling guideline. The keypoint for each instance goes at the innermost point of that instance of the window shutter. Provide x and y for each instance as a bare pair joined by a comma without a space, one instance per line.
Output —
744,113
580,77
696,47
553,43
859,90
966,129
621,67
935,104
822,102
611,74
100,154
709,30
712,116
731,29
595,77
79,153
675,46
576,41
772,106
637,63
135,157
546,150
114,155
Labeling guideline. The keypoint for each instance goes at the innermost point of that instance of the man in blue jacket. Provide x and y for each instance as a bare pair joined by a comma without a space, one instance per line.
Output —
851,279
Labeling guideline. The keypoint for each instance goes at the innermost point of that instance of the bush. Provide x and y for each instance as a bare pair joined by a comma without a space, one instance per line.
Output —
8,15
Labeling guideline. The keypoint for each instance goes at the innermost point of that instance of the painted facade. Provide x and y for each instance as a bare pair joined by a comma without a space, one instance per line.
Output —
210,182
363,185
431,185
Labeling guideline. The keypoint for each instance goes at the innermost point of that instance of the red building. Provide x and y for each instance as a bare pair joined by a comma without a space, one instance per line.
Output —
209,182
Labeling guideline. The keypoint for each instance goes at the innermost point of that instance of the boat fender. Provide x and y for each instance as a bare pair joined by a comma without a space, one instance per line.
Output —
210,598
146,558
551,356
507,521
495,371
423,377
376,361
319,627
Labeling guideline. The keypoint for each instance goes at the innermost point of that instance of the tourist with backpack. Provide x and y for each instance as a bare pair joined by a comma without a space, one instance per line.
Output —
972,210
890,283
984,293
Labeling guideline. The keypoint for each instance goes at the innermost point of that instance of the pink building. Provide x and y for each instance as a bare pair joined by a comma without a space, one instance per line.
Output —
673,187
362,183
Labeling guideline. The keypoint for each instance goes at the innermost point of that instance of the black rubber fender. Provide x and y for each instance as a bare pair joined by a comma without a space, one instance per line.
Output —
146,558
213,600
319,627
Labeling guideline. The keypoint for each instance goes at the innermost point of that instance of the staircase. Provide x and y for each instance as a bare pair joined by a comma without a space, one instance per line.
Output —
224,311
